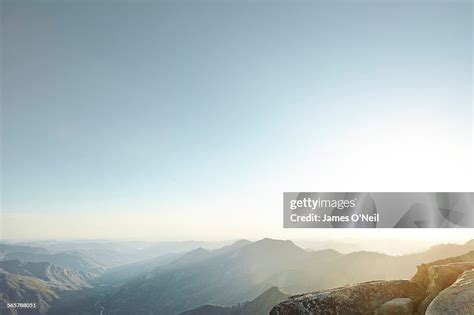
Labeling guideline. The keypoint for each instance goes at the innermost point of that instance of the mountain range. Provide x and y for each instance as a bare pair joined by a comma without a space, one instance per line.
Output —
242,271
241,278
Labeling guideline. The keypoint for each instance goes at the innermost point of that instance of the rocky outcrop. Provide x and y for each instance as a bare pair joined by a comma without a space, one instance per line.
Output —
363,298
398,306
408,297
457,299
433,279
440,274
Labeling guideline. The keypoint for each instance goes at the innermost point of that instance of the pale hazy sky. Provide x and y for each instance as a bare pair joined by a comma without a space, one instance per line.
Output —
188,119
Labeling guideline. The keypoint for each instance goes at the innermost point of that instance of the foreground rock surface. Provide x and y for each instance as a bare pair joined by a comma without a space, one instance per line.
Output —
457,299
423,292
398,306
364,298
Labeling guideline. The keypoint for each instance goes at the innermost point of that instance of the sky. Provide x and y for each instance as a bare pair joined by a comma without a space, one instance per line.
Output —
189,119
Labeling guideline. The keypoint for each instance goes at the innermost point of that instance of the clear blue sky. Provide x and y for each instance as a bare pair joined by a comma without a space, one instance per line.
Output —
173,104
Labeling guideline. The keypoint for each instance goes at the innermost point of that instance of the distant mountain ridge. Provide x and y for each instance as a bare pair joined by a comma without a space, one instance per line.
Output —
261,305
71,260
13,248
55,275
97,257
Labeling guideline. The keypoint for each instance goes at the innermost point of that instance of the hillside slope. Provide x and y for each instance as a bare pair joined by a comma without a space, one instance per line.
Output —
261,305
37,282
55,275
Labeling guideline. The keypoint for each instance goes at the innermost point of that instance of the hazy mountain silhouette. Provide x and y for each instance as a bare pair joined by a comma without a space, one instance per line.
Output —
71,260
118,275
98,256
14,248
55,275
261,305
